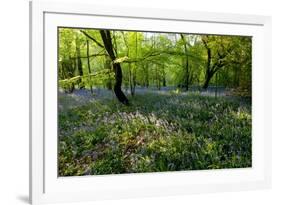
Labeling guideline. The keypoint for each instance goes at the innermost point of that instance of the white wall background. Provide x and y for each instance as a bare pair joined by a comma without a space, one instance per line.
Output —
14,100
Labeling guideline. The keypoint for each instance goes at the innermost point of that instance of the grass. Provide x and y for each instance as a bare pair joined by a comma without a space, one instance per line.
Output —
158,132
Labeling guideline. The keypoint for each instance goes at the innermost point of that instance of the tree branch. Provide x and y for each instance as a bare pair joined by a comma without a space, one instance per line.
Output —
93,55
90,37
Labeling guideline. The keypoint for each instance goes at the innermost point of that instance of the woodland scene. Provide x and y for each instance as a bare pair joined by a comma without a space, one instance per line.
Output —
137,101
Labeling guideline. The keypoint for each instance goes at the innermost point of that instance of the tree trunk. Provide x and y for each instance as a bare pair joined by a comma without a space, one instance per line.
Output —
68,67
237,71
146,73
216,91
158,79
208,75
134,80
79,64
105,34
207,80
130,80
135,64
164,76
186,75
213,64
186,80
107,65
89,66
118,83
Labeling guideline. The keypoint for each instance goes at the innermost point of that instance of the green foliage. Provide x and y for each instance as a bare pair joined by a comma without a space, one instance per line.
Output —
158,132
99,78
156,59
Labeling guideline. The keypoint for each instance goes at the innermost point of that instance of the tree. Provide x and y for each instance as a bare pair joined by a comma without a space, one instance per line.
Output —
79,62
217,51
106,38
187,76
67,59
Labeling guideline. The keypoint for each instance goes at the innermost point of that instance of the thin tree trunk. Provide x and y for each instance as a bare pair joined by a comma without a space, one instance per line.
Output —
130,79
135,68
157,78
89,66
79,64
146,76
186,63
216,91
164,76
134,81
187,75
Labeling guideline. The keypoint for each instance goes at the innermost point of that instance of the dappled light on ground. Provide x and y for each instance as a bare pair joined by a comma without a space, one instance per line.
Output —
159,131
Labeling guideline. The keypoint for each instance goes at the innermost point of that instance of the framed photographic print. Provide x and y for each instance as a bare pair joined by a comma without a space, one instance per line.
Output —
130,102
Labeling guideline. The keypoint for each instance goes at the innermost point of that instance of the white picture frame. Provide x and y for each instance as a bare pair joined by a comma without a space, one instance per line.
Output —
46,187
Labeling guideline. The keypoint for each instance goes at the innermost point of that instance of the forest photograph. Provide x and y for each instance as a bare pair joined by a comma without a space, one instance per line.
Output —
142,102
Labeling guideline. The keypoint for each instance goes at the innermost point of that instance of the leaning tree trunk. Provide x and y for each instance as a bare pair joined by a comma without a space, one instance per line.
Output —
106,38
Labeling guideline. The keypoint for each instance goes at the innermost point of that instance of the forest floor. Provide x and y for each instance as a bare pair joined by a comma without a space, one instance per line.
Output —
164,130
